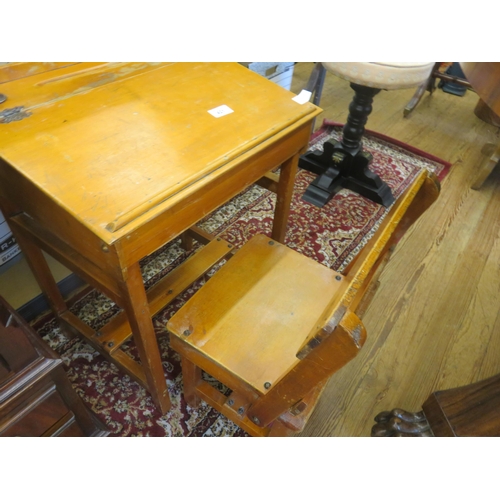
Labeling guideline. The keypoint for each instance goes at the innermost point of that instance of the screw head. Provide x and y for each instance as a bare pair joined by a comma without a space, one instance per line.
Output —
111,344
338,278
267,385
230,402
187,333
271,242
255,420
241,410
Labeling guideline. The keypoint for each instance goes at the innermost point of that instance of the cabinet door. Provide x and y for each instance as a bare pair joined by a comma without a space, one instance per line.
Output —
34,419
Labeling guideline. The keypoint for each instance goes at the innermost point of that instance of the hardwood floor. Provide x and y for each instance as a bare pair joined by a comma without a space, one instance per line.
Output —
434,322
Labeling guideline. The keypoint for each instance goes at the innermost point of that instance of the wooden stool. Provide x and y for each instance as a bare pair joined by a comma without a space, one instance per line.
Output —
274,325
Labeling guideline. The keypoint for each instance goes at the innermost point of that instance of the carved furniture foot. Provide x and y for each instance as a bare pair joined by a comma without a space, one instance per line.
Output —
401,423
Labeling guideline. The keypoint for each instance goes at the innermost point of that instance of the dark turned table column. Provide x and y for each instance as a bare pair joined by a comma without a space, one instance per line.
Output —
344,164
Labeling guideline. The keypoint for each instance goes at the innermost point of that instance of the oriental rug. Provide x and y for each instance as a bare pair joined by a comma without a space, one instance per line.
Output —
332,235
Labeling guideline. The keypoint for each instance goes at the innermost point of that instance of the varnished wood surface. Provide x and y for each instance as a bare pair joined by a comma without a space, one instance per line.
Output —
470,411
288,317
108,148
433,323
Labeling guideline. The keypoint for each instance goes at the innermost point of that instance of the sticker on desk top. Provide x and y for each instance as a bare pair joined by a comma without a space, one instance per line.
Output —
303,97
221,111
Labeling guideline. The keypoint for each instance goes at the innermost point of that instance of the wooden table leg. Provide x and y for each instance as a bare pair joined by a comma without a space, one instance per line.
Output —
288,172
191,376
137,309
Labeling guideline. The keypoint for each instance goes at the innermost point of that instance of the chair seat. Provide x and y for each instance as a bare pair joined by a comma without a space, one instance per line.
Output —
382,75
273,325
253,316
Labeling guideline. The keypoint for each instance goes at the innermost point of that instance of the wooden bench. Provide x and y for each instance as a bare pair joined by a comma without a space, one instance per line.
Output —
273,325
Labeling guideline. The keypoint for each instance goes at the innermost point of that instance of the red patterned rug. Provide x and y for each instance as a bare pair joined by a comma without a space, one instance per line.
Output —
331,235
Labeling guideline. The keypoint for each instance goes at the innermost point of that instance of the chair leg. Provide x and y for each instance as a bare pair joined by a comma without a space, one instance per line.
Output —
191,375
429,85
416,98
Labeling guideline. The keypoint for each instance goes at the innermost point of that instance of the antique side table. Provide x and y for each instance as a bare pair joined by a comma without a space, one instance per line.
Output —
103,163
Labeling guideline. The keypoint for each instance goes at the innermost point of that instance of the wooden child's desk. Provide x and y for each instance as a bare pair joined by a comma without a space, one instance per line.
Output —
102,164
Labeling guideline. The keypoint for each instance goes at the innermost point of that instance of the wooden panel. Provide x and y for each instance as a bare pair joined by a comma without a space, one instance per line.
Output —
469,411
26,228
18,195
40,415
335,350
364,266
485,80
295,290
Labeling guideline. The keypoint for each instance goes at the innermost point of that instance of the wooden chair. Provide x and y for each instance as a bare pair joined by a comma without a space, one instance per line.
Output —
273,325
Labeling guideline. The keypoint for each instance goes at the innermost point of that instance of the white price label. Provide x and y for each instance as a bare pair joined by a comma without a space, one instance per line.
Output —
221,111
303,97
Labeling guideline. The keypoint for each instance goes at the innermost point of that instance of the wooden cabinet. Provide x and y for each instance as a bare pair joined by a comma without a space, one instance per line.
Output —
36,397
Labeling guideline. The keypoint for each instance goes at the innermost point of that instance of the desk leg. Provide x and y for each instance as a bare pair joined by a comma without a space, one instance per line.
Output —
284,197
137,309
42,273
